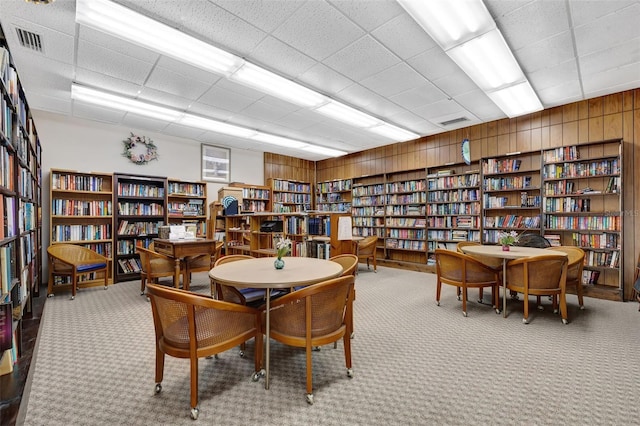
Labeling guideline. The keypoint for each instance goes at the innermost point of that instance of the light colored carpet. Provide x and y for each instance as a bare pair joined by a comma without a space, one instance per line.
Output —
414,363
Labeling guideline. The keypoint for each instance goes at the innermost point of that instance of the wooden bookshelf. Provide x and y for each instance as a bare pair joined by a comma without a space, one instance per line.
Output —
367,209
334,195
405,220
255,198
511,194
82,214
289,196
20,211
140,208
186,204
453,206
582,188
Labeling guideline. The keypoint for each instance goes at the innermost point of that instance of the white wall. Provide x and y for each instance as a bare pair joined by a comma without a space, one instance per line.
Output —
88,146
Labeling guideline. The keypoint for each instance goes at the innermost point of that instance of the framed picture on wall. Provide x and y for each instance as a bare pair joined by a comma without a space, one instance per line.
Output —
216,163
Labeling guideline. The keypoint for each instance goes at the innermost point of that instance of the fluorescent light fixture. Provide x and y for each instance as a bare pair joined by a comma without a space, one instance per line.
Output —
120,103
97,97
488,61
349,115
393,132
325,151
278,140
467,33
126,24
450,22
516,100
268,82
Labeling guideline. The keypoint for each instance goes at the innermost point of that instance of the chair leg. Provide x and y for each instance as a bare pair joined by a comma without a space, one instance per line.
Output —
438,290
481,295
464,301
308,351
194,387
563,308
579,292
74,286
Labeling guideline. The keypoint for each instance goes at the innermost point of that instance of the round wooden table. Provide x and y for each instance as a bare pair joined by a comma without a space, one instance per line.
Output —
514,252
260,273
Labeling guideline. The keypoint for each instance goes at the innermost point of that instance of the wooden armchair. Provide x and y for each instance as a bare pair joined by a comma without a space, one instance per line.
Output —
74,261
492,262
242,296
203,262
544,275
575,267
190,325
155,265
463,271
315,315
367,250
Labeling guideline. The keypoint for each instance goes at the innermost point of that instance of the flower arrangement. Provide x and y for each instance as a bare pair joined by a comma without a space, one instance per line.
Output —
139,149
283,247
508,238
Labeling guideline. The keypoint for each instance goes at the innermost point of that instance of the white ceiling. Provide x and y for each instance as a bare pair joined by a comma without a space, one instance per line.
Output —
369,54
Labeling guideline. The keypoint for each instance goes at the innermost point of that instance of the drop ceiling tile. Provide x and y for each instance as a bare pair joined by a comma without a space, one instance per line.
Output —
225,99
368,14
499,8
612,81
533,22
281,58
164,80
582,15
455,83
209,111
47,76
56,45
265,111
433,112
97,113
240,89
115,44
183,131
41,102
608,31
59,17
188,72
318,30
142,122
106,82
433,64
623,54
99,59
554,76
545,53
265,15
394,80
480,106
350,60
325,80
404,37
561,94
418,96
165,99
300,120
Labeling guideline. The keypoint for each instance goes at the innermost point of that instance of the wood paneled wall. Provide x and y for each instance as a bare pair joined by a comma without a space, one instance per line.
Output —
614,116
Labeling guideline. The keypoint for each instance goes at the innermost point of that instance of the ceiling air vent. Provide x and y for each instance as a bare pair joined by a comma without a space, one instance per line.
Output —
454,121
29,40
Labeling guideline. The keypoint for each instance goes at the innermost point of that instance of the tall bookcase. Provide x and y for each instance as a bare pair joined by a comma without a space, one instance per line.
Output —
511,195
453,206
367,206
81,213
289,196
140,206
20,211
255,198
334,195
186,204
582,188
405,221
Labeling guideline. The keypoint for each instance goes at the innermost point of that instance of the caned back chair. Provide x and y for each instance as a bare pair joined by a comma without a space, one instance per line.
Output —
155,265
463,271
192,326
575,266
203,262
492,262
367,249
243,296
74,261
316,315
544,275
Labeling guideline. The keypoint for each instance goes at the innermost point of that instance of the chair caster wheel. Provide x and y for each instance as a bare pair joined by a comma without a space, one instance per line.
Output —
437,303
582,307
541,308
349,373
316,349
73,298
256,376
565,322
310,398
480,301
525,321
105,287
194,413
158,388
50,295
459,298
555,311
497,311
241,353
464,313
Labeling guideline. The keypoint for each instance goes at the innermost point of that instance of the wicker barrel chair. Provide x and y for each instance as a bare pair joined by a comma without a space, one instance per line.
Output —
74,261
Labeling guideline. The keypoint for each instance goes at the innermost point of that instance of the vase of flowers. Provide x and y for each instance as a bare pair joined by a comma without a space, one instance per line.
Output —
507,239
283,247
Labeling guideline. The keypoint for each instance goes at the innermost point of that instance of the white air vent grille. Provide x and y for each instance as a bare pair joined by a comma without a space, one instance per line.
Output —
454,121
29,40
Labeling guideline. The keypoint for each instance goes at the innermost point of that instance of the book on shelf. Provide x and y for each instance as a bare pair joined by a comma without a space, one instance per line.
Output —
554,239
590,277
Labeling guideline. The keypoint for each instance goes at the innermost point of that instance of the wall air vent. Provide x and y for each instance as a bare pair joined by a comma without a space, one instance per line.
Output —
29,40
454,121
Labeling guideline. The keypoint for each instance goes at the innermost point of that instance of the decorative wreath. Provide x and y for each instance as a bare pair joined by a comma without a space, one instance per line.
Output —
139,149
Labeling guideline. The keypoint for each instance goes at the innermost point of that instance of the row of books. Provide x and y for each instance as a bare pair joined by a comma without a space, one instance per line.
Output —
377,200
254,205
408,186
288,197
453,182
606,259
186,208
512,221
596,223
81,208
334,207
405,210
453,235
317,249
406,222
140,209
410,234
567,204
285,185
334,197
368,221
138,228
590,277
509,182
493,165
63,233
454,196
6,168
368,232
75,182
140,190
565,153
130,266
187,189
334,186
453,208
454,222
7,268
598,241
393,243
414,197
8,216
586,169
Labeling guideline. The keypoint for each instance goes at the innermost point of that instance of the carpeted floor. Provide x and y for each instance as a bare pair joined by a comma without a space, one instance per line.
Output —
415,363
